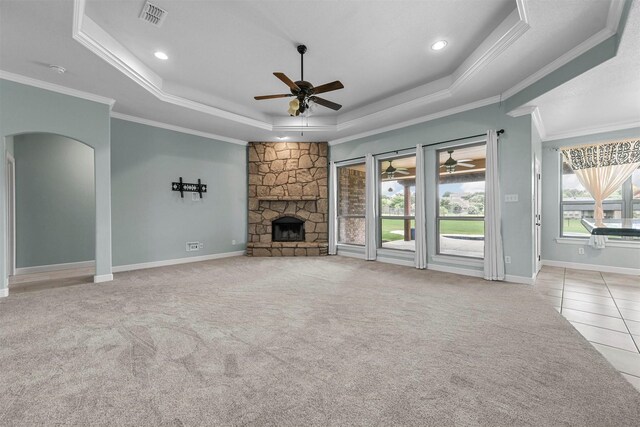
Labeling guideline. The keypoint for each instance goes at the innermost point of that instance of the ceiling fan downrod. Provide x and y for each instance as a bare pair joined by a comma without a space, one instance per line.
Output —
302,49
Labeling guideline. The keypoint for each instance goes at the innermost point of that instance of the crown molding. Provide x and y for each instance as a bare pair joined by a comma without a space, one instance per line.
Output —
536,117
593,130
418,120
102,44
56,88
180,129
613,21
507,32
88,33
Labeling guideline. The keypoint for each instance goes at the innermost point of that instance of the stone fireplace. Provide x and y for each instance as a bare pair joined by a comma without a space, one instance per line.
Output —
288,199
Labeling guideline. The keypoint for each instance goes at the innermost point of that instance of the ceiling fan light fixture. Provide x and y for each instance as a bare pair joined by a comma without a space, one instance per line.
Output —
450,164
439,45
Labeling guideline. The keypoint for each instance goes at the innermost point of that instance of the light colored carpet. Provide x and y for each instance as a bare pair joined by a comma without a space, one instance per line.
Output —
299,341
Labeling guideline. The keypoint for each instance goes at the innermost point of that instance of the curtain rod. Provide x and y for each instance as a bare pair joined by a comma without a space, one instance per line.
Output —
500,132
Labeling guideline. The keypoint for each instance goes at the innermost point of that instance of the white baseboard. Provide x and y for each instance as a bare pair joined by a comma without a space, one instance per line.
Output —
397,261
4,292
153,264
54,267
592,267
455,270
103,278
519,279
350,254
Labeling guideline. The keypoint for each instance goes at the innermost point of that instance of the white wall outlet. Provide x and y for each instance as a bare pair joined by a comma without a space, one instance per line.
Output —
507,259
233,242
195,197
193,246
510,198
200,245
580,251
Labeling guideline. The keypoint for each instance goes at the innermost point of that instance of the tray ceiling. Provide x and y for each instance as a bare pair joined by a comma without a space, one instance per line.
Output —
222,53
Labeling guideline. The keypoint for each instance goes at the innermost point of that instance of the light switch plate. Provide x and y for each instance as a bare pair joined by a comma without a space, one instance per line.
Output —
510,198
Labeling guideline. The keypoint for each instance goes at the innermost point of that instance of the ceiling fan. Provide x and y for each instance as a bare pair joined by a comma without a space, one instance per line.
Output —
391,171
304,92
451,163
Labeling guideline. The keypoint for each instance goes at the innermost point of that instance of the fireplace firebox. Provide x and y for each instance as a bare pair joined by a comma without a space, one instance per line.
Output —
287,229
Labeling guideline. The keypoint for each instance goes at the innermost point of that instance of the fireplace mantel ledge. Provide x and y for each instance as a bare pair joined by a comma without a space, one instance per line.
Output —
287,198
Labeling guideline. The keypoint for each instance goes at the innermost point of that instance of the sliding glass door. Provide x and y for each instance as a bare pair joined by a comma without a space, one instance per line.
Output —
397,203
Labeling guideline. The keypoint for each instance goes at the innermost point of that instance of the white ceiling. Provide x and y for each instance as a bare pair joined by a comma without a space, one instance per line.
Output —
222,53
606,97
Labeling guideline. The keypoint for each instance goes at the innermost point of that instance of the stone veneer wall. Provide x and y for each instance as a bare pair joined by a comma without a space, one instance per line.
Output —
288,179
351,201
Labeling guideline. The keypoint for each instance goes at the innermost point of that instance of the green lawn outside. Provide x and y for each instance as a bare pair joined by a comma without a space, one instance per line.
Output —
449,226
573,226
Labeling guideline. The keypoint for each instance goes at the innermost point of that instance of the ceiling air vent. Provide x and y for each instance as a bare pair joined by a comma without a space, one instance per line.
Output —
153,14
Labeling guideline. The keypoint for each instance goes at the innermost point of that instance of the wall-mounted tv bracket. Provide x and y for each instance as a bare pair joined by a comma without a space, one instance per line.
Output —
185,186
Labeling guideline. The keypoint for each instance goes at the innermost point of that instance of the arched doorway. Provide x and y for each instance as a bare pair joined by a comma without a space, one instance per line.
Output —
54,224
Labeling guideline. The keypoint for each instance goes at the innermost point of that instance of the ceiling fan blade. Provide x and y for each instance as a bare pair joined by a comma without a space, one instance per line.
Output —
328,87
402,172
286,80
466,165
465,160
283,95
326,103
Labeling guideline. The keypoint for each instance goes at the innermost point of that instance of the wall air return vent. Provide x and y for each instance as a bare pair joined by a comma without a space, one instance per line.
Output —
153,14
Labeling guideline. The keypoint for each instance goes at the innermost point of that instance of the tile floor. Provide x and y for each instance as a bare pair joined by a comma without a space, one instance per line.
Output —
604,308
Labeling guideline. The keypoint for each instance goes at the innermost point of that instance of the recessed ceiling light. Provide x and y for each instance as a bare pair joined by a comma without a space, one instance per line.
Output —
57,69
282,138
161,55
439,45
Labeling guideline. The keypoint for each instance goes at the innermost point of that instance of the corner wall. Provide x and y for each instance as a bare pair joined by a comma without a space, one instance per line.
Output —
151,223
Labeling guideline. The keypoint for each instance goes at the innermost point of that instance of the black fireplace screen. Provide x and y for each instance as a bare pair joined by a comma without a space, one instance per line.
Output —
287,229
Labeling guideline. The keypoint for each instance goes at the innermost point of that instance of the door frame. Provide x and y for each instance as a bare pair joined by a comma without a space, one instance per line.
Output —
11,215
537,214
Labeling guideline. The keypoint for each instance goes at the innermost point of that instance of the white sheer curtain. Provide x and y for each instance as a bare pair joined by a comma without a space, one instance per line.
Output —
493,251
371,240
421,208
333,210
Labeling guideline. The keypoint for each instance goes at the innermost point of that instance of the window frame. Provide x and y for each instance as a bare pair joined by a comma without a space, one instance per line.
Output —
626,202
379,160
439,218
358,161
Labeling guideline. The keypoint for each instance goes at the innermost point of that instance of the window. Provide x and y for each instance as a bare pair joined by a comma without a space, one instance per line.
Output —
398,203
351,204
460,216
577,203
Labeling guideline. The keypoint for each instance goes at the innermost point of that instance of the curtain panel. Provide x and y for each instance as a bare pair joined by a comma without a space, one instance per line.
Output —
493,250
371,240
421,208
333,210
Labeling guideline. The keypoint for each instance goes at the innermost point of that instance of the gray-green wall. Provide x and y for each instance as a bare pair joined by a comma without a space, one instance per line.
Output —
515,165
151,222
55,200
555,249
27,109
